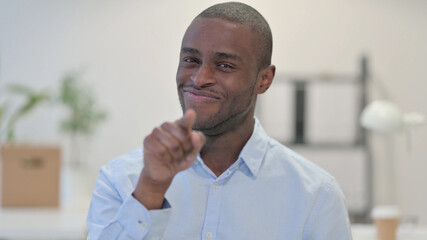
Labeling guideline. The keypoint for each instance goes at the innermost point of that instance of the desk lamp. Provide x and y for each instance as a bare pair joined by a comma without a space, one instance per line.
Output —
385,116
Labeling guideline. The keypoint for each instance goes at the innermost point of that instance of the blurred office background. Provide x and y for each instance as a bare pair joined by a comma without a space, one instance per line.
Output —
127,52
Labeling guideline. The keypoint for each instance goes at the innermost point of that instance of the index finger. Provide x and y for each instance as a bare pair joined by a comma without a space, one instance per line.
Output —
187,121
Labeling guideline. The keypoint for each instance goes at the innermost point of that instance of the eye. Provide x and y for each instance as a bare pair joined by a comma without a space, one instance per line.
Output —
189,60
224,65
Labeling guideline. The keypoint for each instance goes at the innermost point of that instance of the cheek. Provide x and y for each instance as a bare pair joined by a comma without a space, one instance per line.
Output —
243,98
182,75
179,77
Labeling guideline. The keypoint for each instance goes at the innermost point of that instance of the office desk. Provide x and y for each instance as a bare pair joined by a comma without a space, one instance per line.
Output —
67,222
368,232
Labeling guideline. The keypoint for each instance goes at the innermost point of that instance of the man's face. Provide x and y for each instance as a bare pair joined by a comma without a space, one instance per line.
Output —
217,74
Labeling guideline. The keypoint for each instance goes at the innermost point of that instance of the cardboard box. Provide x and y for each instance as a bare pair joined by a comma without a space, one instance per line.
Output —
30,176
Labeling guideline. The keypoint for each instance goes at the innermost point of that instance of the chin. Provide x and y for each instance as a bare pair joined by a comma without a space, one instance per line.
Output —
205,121
203,111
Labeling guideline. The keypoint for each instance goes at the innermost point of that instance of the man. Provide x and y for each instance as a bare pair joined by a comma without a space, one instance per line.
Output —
214,173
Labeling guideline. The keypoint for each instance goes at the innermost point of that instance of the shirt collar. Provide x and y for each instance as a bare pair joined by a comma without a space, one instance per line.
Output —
253,152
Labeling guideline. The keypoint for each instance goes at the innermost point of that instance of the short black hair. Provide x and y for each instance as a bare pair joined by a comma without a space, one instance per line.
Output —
247,16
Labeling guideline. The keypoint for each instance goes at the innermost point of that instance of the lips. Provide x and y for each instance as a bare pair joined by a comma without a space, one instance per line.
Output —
195,95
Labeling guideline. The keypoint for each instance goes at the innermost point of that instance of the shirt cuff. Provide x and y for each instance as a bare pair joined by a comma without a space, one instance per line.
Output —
139,222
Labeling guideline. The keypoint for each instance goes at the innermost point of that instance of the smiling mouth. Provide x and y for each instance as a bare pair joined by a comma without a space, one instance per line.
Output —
199,96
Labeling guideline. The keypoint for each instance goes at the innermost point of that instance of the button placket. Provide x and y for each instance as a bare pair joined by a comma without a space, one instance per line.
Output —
212,211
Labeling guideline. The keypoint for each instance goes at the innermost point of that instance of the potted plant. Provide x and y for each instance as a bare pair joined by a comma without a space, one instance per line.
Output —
83,115
30,172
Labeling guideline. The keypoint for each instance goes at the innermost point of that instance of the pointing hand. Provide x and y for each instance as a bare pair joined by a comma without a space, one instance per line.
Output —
169,149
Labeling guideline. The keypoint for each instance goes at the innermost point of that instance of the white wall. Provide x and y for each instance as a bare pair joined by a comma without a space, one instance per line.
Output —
129,51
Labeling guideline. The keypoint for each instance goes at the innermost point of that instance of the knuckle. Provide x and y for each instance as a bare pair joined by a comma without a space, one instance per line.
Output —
166,125
156,131
148,140
160,152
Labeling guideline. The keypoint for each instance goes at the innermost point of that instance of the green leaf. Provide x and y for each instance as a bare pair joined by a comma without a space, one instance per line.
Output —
84,114
20,89
32,100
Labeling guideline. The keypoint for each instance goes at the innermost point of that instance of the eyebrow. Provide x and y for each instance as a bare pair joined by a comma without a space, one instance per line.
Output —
227,56
190,50
217,54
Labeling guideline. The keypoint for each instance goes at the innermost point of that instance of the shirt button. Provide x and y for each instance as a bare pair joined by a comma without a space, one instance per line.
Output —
209,235
143,225
216,185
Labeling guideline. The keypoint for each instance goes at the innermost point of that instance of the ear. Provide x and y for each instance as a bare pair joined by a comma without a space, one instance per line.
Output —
265,78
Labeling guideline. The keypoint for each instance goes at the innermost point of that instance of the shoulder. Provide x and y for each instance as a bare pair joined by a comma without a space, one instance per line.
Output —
279,160
301,170
314,186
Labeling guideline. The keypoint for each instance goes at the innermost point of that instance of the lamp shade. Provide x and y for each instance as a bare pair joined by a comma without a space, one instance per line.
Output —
382,116
385,116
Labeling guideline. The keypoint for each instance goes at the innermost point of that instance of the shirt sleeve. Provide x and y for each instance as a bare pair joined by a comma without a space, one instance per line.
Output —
112,216
329,218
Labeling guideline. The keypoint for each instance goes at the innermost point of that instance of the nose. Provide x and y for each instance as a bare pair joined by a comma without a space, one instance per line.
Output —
204,76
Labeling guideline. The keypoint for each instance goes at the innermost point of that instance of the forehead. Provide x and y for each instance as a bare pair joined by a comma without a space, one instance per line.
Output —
210,35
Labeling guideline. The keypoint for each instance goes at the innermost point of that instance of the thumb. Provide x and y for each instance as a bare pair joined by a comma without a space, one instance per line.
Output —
187,121
198,140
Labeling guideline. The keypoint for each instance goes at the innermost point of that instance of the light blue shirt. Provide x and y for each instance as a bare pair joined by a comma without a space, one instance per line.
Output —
269,193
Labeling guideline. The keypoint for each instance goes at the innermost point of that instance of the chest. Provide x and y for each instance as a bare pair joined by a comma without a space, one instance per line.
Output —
238,207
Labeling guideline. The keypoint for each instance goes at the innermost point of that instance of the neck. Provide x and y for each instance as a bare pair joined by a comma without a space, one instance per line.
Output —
221,151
